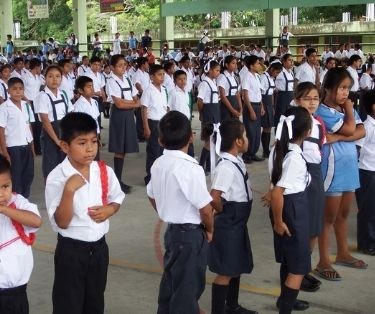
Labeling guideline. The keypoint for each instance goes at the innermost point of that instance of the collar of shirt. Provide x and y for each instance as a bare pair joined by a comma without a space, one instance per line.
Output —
294,147
83,99
230,157
179,154
226,73
68,169
48,91
180,90
209,81
10,103
12,199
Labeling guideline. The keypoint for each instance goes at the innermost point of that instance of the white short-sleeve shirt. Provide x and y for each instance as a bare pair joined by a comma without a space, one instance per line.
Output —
121,88
156,102
168,83
226,80
16,259
98,81
311,146
83,70
251,84
267,84
190,78
285,81
89,107
179,100
208,91
178,185
306,73
354,74
228,179
16,123
3,90
67,85
32,85
367,152
81,227
43,104
142,78
366,82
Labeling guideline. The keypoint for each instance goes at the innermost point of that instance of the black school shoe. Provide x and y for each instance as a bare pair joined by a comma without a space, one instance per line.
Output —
257,158
370,252
239,310
125,188
299,305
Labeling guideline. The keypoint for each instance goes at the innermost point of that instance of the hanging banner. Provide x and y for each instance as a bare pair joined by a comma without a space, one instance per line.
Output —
37,9
111,5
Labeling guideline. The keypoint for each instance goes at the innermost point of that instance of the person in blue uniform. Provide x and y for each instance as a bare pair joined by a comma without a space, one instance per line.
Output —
230,253
289,205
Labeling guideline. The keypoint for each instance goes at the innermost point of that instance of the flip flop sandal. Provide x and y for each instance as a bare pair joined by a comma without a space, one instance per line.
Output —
354,263
327,273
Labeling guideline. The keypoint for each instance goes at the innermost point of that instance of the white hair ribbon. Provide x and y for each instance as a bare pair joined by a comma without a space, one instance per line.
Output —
275,61
288,120
215,147
207,67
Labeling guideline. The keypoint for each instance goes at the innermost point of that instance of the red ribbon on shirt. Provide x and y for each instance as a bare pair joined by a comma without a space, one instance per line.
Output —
323,128
104,181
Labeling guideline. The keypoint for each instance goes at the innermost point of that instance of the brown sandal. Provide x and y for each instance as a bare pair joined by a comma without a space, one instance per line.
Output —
327,273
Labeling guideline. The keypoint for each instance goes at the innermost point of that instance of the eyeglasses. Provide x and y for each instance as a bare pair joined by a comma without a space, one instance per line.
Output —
310,99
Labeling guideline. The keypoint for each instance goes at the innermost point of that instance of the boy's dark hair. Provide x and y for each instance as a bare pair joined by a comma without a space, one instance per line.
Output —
369,101
285,57
4,165
5,66
329,59
95,59
34,62
175,130
85,58
250,60
184,59
310,51
353,59
13,81
230,130
155,68
116,58
82,81
62,62
168,65
17,60
75,124
177,74
141,61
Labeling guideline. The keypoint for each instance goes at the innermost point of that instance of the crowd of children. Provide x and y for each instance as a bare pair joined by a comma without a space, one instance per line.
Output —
313,167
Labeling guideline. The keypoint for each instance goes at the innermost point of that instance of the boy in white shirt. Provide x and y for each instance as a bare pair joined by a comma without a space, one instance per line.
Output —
19,221
5,71
81,195
67,84
84,68
16,139
117,44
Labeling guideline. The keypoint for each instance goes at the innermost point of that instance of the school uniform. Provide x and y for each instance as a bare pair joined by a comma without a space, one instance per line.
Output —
156,102
365,194
251,84
168,82
4,90
122,128
67,87
208,92
339,160
81,256
230,252
189,86
16,259
365,83
306,73
18,139
83,70
354,74
143,79
90,107
99,84
285,86
229,83
178,186
17,74
294,251
268,88
165,57
312,147
56,107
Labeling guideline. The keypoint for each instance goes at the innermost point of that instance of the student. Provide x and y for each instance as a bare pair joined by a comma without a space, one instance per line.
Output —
253,107
339,168
178,192
51,106
268,86
154,102
116,46
84,68
185,65
309,71
366,83
19,65
289,205
230,99
306,95
5,71
209,108
328,64
19,220
67,84
229,253
16,139
285,36
81,195
122,128
169,68
284,86
365,194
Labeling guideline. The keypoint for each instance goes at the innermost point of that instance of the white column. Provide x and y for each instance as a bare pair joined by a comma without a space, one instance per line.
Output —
6,20
80,23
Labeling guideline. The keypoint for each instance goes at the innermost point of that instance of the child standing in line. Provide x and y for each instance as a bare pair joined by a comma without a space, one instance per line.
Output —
366,194
178,192
122,128
16,139
154,102
67,83
230,253
289,204
209,108
230,99
339,168
5,71
19,220
81,195
51,106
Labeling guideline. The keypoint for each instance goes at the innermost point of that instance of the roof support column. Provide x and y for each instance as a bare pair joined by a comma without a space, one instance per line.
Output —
166,27
80,23
272,27
6,18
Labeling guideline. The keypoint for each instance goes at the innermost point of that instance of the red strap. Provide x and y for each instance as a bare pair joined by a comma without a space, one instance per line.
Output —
104,181
323,128
27,239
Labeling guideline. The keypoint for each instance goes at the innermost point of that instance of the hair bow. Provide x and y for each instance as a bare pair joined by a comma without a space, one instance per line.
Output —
207,67
288,120
215,147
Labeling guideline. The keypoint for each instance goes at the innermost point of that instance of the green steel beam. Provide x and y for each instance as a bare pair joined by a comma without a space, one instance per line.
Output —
193,7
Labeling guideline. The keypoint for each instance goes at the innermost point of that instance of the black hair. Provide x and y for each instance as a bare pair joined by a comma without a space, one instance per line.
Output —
184,59
300,126
4,165
116,58
34,62
62,62
302,89
168,65
95,59
155,68
13,81
276,66
353,59
250,60
141,61
369,101
227,60
310,51
213,64
333,78
178,73
53,67
5,66
75,124
230,131
18,59
85,58
82,81
285,57
366,67
329,59
175,130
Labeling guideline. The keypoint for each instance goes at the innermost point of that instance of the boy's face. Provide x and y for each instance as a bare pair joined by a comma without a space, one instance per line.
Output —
68,67
5,188
158,77
5,74
16,92
88,90
181,81
85,61
82,149
19,65
120,67
95,66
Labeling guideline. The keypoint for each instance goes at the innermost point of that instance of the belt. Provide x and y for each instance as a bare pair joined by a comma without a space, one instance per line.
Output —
12,291
185,227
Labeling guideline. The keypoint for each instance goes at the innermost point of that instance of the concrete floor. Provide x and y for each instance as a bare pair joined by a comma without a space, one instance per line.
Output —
135,241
